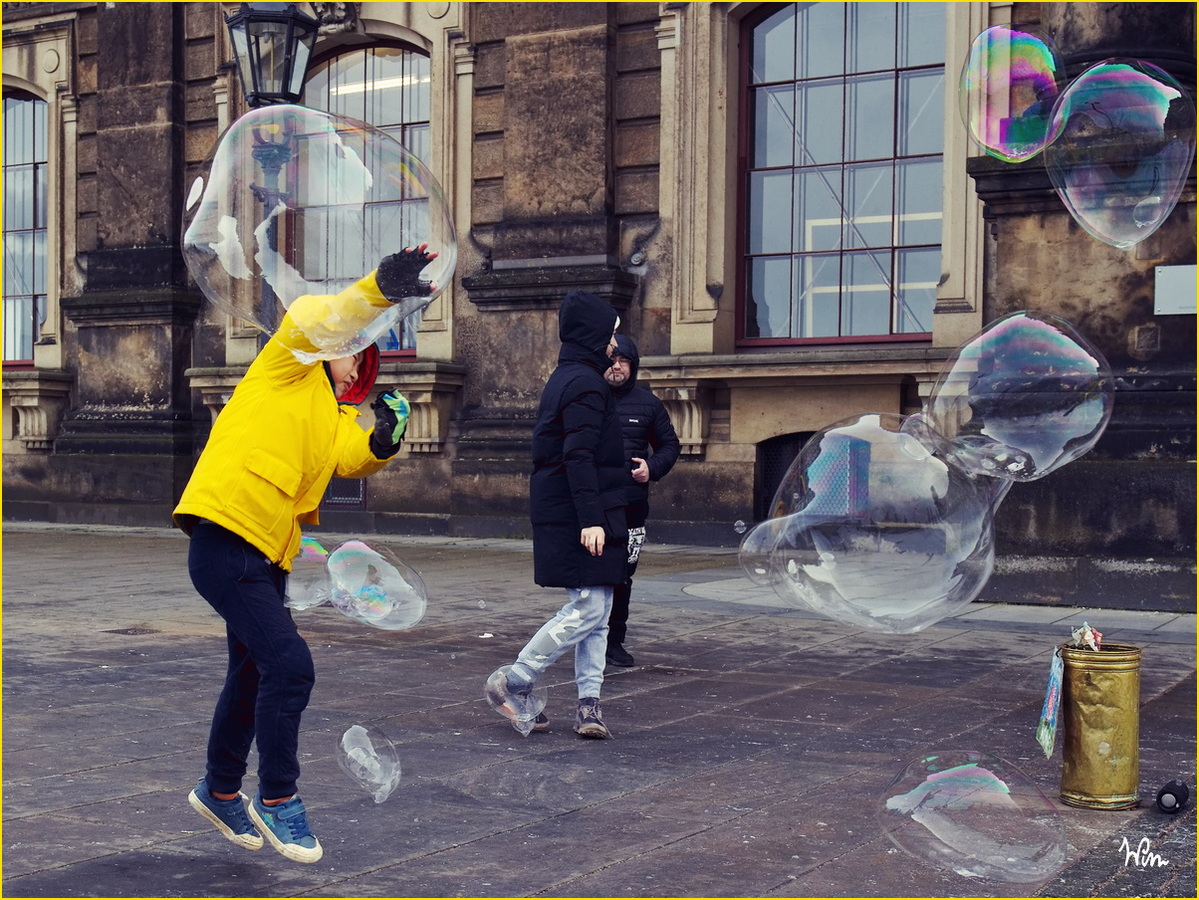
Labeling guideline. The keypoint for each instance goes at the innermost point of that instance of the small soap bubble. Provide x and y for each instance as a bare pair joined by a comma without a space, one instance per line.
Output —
298,202
739,526
482,604
369,757
373,586
517,701
974,814
308,583
1008,86
1124,139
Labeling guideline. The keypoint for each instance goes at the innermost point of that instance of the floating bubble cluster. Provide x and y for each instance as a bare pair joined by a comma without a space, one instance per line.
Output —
1124,139
365,583
518,702
369,757
299,202
1118,139
887,522
372,586
974,814
1007,89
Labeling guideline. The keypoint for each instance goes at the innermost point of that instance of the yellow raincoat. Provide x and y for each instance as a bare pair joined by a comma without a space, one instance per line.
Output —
283,435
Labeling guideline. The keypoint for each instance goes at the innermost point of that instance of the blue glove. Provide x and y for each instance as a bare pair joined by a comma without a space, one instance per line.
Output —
391,419
398,275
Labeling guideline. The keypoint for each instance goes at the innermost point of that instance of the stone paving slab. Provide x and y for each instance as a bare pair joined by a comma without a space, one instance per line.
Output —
751,744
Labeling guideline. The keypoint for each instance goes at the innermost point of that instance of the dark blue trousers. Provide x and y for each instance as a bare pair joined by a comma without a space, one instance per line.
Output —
270,674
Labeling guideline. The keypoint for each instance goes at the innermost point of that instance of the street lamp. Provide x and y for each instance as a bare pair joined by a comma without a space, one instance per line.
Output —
272,42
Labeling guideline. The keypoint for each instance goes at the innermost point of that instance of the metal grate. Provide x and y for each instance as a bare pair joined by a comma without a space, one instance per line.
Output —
774,459
345,493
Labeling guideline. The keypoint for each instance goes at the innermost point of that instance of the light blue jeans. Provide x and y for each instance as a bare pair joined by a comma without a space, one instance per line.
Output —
583,624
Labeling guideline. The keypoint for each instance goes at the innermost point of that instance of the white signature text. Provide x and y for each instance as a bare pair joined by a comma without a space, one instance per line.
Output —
1141,855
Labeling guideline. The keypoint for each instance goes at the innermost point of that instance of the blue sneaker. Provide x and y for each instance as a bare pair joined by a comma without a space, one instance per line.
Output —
229,816
286,827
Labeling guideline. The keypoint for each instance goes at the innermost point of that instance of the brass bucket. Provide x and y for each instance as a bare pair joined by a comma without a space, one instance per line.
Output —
1101,761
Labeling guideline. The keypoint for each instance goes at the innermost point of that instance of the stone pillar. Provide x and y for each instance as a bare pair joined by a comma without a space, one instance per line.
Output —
1159,33
130,326
543,218
1133,495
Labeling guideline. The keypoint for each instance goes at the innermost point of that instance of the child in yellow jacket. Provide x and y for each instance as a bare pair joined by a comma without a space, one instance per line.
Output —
287,430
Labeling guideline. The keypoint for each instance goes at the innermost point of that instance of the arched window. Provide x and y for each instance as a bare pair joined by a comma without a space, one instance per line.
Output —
842,172
389,88
25,211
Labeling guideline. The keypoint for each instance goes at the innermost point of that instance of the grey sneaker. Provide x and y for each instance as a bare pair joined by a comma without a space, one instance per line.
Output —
286,827
229,816
588,723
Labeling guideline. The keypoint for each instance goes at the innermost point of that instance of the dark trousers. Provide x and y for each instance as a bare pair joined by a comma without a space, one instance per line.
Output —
618,621
270,674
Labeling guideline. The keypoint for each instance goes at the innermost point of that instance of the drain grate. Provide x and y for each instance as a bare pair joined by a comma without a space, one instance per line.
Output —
131,631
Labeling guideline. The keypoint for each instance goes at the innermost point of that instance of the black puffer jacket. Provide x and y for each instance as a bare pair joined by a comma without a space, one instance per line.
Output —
579,471
647,433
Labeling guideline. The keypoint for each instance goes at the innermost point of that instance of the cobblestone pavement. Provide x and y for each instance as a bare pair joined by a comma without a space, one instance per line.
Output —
751,742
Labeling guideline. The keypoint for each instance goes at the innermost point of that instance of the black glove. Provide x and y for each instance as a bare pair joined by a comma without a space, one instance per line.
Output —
391,420
398,274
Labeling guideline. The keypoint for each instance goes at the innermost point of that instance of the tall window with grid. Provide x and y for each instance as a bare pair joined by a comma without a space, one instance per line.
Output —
25,211
842,158
389,88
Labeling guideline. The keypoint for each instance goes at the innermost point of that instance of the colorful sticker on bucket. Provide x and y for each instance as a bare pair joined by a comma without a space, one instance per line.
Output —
1047,726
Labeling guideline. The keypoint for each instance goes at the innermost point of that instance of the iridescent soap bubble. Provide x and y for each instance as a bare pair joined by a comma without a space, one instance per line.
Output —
297,202
521,705
1123,142
871,528
369,757
373,586
1006,92
1025,396
974,814
308,582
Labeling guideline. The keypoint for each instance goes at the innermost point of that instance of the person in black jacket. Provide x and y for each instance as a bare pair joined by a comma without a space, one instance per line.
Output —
652,448
577,501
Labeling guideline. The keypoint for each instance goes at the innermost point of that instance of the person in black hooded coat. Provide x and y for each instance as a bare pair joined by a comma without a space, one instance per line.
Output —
651,448
577,506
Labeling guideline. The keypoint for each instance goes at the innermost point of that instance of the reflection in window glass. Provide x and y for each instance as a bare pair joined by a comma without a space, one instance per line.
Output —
846,137
25,172
389,88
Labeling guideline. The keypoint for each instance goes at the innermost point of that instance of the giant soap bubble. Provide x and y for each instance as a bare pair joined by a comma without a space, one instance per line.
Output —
298,202
875,530
1025,396
1123,140
1007,89
369,757
371,585
886,522
974,814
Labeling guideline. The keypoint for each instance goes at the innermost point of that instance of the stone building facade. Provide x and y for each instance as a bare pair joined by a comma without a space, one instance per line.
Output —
599,146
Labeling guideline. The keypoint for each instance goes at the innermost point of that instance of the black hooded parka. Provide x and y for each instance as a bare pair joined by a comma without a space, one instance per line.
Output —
579,475
647,432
